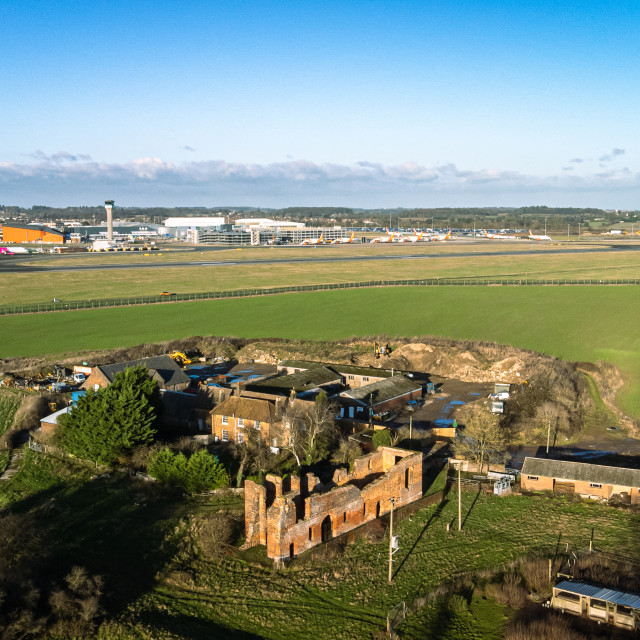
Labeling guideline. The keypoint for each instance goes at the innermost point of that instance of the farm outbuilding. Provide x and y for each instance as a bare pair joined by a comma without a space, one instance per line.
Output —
49,424
352,376
378,397
613,607
318,377
585,479
162,369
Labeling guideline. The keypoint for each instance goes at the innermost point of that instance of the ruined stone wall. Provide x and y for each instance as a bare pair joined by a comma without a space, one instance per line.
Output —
306,513
255,514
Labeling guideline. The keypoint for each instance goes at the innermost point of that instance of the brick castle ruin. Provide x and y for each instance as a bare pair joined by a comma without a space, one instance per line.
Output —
290,516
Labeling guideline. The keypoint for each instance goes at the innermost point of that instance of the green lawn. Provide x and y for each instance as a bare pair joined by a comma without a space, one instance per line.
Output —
573,323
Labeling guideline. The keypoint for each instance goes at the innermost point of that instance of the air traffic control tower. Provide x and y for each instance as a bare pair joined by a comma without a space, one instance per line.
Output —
108,205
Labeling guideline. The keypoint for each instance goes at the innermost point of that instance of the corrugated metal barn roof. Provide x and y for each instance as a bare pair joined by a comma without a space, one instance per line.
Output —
608,595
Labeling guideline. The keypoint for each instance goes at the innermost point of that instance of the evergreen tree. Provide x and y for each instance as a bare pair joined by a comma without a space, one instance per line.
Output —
205,472
201,472
161,466
109,422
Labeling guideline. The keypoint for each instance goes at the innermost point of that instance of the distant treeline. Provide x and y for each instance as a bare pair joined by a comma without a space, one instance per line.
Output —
491,217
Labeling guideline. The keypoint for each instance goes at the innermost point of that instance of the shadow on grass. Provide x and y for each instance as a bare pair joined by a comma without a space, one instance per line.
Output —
116,528
192,628
473,504
436,514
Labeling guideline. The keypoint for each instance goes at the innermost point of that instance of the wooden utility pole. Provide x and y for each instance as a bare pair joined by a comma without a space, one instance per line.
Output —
548,434
391,543
459,499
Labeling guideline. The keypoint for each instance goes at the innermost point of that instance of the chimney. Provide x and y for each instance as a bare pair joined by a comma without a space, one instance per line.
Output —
108,205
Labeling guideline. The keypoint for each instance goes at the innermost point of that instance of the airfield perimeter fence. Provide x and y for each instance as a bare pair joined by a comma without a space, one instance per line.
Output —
73,305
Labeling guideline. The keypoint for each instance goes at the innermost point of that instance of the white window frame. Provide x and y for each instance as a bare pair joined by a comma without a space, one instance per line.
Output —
240,422
595,485
225,420
256,425
225,436
533,477
240,437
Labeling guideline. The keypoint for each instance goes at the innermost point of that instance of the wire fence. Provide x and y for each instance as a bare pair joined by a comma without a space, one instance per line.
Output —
74,305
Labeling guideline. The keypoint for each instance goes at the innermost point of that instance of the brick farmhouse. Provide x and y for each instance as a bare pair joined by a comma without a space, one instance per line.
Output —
293,516
270,415
231,419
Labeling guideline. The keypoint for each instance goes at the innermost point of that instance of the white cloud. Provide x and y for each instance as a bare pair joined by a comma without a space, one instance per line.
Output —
65,178
610,156
59,157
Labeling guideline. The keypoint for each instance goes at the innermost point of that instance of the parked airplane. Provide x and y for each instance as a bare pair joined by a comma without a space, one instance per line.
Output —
498,236
348,240
6,251
308,241
387,238
538,238
415,238
441,236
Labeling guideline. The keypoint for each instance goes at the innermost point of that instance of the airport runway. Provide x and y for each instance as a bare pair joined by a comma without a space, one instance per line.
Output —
10,264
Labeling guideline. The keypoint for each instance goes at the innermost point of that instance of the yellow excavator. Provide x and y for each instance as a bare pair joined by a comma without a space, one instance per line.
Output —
381,350
180,358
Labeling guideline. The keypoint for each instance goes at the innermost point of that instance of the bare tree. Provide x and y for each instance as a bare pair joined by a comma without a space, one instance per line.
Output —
483,440
310,431
253,455
549,414
347,451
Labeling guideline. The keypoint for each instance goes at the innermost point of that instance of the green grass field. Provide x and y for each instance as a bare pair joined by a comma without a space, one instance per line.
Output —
573,323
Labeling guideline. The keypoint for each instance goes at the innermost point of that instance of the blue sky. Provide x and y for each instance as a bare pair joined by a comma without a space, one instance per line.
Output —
274,103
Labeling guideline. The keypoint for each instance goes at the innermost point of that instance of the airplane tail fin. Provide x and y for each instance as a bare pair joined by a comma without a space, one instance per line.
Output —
448,235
